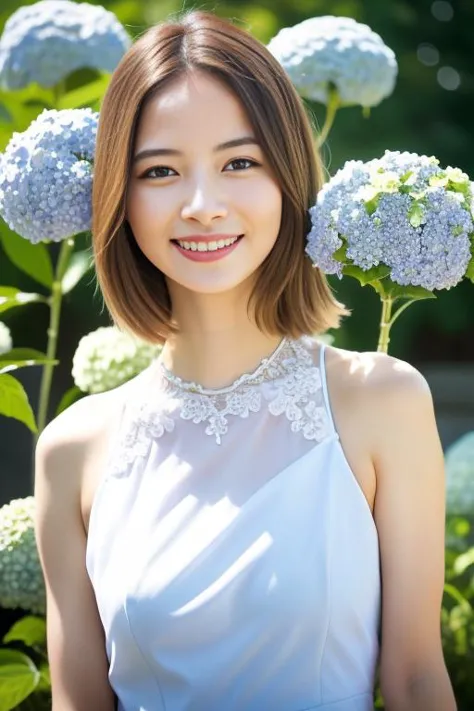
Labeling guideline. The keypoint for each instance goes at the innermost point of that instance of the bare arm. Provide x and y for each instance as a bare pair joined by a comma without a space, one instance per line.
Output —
410,518
76,646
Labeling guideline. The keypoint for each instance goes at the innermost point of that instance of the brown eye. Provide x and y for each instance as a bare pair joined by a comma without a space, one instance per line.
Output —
158,171
242,164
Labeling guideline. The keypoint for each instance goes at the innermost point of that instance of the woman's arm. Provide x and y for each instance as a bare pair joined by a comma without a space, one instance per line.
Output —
76,646
410,518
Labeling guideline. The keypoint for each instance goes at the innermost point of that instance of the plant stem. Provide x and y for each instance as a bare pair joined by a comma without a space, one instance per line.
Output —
331,109
400,311
55,311
385,324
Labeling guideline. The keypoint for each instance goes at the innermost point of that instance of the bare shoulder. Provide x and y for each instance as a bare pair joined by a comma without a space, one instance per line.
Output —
374,376
73,439
383,402
80,424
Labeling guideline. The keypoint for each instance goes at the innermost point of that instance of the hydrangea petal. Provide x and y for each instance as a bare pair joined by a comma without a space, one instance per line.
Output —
107,357
45,42
321,52
368,207
21,577
46,176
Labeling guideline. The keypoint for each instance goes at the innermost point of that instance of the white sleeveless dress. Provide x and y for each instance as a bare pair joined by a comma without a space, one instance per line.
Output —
233,555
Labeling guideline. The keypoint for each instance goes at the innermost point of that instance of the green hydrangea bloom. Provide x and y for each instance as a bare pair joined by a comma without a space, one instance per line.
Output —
21,576
460,477
108,357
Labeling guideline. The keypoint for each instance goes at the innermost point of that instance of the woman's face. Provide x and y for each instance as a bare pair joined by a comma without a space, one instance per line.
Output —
202,203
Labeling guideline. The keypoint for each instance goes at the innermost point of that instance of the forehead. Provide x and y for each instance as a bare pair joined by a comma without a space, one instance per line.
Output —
194,106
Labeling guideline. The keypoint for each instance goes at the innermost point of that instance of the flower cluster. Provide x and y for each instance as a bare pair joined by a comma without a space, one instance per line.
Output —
46,176
45,42
460,477
6,342
324,52
401,211
107,357
21,577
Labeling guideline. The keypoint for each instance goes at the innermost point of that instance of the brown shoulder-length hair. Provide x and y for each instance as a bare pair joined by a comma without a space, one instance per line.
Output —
290,296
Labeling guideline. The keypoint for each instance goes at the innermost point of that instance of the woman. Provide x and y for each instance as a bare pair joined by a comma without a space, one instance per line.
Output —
214,533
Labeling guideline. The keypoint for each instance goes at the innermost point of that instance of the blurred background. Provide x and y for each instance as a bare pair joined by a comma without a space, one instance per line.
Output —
430,112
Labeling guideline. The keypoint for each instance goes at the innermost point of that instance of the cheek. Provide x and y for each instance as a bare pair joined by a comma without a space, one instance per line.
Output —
264,203
145,207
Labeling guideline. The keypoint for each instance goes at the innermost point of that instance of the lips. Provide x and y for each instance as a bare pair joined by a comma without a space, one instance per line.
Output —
200,255
207,238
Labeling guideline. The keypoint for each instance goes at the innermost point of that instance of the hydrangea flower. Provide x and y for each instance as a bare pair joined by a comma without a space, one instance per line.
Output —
45,42
459,462
6,343
324,52
402,211
46,176
107,357
21,577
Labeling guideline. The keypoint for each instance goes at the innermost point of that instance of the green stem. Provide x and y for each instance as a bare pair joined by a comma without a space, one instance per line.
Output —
331,109
59,90
53,330
385,324
401,310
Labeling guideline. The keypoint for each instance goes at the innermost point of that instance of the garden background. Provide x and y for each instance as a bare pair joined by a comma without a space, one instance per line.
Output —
430,112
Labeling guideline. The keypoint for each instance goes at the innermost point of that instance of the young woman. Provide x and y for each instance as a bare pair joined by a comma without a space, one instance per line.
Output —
255,522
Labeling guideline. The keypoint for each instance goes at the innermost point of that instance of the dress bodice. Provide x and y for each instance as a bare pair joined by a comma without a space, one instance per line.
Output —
233,555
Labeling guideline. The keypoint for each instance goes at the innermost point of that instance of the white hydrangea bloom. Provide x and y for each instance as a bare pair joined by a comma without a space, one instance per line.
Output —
327,51
460,477
45,42
21,577
6,343
107,357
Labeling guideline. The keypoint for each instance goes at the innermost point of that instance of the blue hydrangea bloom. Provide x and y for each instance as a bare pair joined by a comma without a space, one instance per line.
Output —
46,176
402,211
45,42
336,51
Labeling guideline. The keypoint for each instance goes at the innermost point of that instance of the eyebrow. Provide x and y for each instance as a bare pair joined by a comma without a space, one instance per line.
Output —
150,152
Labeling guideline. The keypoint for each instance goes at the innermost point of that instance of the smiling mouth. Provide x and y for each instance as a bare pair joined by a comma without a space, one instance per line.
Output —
206,246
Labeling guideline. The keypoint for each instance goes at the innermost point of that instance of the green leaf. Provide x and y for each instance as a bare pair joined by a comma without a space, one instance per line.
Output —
407,292
372,203
30,630
85,95
19,677
470,269
79,264
10,297
22,357
44,683
33,259
464,561
457,595
416,213
14,403
368,276
340,254
406,176
69,397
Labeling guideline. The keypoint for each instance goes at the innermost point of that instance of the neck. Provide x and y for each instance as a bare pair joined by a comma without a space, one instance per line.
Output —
215,346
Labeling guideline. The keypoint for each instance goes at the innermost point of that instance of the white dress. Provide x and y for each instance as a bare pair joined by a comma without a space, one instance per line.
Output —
233,555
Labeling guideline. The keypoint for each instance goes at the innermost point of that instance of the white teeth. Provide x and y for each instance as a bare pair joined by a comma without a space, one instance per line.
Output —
207,246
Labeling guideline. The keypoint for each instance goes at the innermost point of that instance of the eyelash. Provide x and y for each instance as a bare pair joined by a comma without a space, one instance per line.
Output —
252,164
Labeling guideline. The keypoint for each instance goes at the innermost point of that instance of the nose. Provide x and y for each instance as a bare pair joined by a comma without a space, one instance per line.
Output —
203,204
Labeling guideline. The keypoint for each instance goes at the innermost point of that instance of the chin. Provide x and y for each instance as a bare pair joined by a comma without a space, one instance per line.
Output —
211,284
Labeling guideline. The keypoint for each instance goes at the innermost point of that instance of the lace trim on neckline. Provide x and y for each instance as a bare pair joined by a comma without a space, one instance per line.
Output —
292,388
254,377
